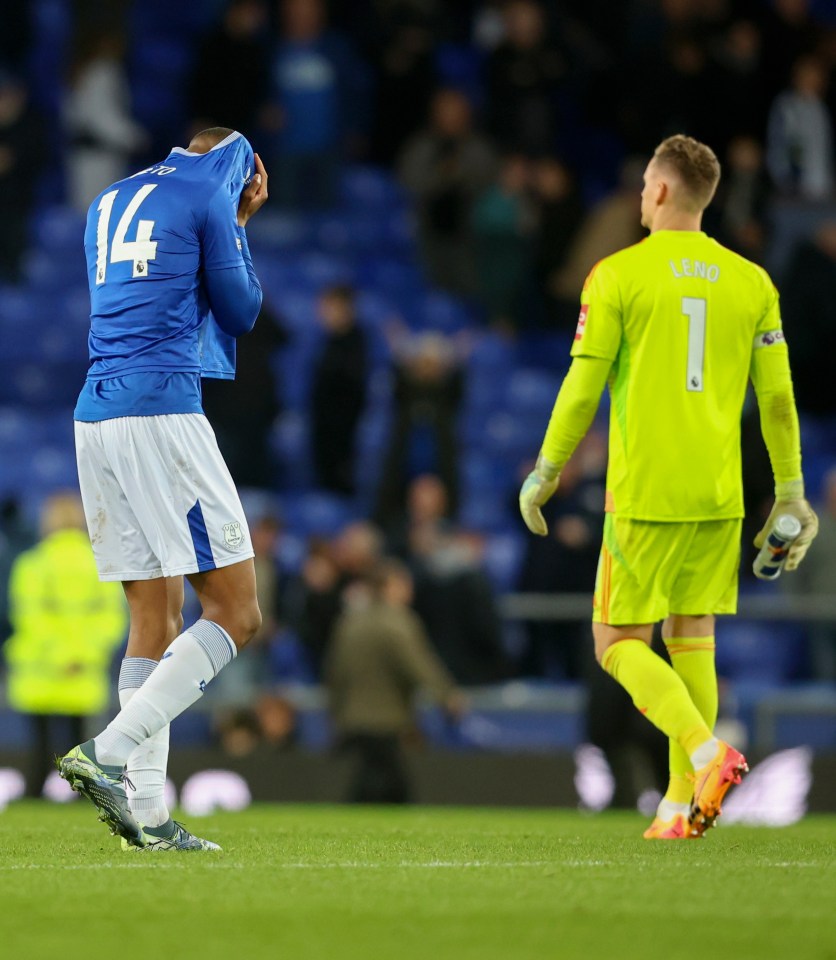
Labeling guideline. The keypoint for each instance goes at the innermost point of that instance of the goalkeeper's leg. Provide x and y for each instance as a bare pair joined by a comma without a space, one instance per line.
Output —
659,693
690,645
624,652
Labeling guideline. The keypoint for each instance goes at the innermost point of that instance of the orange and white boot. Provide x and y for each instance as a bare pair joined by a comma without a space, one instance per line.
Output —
711,783
677,828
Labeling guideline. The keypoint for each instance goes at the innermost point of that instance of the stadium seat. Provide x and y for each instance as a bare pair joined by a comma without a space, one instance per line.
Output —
503,558
316,513
365,188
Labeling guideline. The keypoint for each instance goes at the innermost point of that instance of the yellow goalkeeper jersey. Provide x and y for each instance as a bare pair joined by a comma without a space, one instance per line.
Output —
679,316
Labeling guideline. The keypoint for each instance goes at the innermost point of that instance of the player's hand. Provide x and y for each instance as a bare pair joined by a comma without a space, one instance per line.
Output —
789,498
539,485
254,195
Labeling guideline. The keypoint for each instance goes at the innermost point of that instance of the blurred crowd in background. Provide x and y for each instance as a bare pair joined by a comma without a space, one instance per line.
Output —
443,176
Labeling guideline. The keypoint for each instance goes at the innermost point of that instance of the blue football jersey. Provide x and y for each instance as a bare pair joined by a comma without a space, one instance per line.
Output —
148,240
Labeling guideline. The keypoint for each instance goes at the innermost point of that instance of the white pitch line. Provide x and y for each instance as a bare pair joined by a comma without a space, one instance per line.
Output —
153,862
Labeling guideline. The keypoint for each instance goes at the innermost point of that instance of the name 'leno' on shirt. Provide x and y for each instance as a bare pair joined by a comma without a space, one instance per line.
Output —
695,268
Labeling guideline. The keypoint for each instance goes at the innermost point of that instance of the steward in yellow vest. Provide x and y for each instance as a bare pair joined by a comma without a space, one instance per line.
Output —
66,624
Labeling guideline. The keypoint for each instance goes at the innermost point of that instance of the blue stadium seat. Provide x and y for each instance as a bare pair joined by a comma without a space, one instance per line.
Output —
485,512
290,442
53,270
365,188
460,66
58,229
532,392
316,514
290,660
503,558
442,312
492,355
279,231
52,467
761,652
391,276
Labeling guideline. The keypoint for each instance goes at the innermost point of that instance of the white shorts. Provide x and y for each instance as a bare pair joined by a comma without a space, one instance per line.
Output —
158,497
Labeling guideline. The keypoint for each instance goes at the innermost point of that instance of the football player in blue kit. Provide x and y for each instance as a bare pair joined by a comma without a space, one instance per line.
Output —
172,285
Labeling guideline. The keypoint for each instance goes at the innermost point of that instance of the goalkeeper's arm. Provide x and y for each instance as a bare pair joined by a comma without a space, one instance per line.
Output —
770,372
571,417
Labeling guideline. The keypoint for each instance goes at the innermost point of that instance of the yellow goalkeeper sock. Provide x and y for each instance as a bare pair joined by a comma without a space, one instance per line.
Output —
693,660
657,692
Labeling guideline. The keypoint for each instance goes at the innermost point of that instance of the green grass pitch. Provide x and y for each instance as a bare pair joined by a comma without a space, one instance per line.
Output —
315,883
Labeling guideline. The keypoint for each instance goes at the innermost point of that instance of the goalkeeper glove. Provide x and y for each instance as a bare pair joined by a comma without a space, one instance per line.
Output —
789,498
539,485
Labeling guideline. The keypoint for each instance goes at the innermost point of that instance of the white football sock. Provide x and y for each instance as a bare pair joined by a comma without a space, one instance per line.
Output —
147,763
190,663
705,753
667,809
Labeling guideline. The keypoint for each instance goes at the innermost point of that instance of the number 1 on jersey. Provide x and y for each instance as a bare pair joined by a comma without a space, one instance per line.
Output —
694,309
140,251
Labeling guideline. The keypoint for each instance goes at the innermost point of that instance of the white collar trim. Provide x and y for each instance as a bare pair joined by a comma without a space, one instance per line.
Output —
191,153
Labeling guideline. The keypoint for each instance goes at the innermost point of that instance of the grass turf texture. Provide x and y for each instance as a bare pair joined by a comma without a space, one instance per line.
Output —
310,883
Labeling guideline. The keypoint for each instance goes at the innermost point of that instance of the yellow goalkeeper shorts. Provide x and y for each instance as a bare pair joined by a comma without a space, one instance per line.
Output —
649,570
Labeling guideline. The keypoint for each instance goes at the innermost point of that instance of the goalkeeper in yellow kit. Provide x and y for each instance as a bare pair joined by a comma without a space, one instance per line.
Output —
676,325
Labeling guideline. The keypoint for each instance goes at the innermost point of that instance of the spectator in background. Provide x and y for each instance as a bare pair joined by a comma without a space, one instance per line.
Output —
800,134
446,166
808,302
503,221
330,574
453,595
21,158
230,79
427,396
339,390
67,626
270,724
789,33
817,579
318,90
242,414
102,134
742,199
427,511
378,661
565,562
737,76
559,213
612,224
405,83
523,77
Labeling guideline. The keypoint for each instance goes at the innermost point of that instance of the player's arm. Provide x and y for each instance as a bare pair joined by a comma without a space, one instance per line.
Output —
234,293
571,417
770,374
596,345
229,277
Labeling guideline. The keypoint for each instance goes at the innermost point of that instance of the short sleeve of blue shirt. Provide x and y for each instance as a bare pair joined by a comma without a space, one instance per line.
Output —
220,242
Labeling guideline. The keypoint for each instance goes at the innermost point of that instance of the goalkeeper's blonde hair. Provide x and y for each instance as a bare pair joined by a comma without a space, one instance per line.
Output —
695,164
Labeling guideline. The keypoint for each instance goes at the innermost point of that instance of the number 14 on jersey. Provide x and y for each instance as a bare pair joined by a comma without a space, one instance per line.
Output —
139,251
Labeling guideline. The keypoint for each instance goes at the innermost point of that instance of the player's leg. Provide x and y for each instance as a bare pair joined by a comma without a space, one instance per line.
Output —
156,619
230,618
706,584
638,566
690,644
122,552
658,693
170,508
